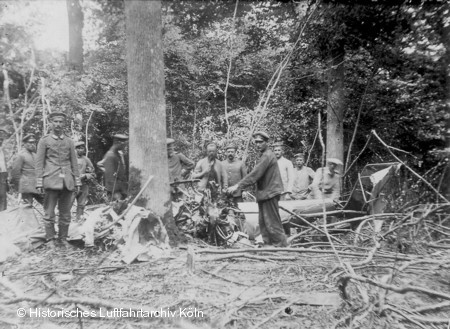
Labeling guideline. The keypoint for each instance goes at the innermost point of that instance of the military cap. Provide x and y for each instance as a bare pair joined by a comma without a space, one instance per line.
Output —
299,155
261,135
336,161
231,146
79,143
170,141
57,114
278,144
29,138
120,137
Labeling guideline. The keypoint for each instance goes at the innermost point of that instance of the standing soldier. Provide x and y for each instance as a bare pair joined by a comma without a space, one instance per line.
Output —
57,174
86,174
116,177
211,172
236,170
326,183
303,177
269,186
179,164
3,173
23,172
286,171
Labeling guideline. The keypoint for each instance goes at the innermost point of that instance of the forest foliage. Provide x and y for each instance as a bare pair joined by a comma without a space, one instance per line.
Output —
395,76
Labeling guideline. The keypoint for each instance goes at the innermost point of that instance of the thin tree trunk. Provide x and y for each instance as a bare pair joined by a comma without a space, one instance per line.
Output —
75,14
335,107
148,152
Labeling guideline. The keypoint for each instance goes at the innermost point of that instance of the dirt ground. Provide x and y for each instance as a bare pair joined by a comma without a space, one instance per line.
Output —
269,290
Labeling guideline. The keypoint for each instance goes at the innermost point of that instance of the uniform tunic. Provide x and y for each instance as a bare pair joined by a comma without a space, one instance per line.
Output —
287,173
56,163
23,176
85,166
221,175
236,170
325,185
116,177
269,186
302,180
178,162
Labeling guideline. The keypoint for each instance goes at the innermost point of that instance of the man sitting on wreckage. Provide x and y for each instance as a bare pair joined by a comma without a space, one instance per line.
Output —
269,187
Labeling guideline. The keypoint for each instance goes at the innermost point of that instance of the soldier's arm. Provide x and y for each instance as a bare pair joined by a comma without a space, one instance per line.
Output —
257,172
74,164
187,163
16,170
40,159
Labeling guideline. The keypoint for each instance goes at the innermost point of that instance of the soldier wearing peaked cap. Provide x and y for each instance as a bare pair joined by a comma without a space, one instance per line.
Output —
116,174
57,173
86,169
269,186
23,173
3,173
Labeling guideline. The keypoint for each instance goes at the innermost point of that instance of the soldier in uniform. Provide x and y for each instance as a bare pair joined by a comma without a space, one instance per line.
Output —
23,173
116,176
236,170
269,186
86,169
57,173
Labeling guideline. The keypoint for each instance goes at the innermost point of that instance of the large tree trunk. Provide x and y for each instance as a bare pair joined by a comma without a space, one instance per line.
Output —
446,42
148,152
75,14
335,107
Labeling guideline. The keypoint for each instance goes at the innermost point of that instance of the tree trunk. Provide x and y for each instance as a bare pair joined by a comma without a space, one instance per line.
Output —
148,152
446,42
335,107
75,14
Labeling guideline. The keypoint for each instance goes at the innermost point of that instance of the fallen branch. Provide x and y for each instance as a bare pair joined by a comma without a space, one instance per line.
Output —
298,250
224,278
418,318
267,259
400,290
433,307
306,222
92,269
107,227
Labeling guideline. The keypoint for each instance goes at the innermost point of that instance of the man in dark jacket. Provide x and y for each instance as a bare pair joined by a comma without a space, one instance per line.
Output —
269,187
57,173
116,176
23,172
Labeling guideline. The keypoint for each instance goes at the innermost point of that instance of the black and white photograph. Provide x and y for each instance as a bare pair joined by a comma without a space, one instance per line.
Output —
224,164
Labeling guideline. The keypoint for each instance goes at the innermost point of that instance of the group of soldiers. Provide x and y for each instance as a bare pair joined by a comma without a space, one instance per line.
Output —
58,174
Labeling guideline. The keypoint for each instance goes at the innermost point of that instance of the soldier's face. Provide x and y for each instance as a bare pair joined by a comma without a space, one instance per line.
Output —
170,151
231,153
261,145
30,146
278,151
211,152
80,150
299,162
58,124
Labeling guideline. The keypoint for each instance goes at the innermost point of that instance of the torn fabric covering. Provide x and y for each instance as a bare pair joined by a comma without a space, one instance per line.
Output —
143,233
20,231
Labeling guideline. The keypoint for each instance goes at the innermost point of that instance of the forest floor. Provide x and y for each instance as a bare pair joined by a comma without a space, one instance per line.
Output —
297,288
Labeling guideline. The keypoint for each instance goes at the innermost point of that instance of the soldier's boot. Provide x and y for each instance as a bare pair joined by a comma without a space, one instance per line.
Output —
80,213
62,236
50,234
